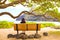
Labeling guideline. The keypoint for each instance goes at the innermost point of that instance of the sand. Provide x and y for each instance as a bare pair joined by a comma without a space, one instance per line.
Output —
5,32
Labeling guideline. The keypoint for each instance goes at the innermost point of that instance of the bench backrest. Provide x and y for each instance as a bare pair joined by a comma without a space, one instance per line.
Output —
27,27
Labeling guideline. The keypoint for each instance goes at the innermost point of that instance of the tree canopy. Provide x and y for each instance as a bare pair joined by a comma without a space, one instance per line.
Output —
38,7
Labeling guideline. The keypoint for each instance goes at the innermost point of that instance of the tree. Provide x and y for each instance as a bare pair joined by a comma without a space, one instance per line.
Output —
38,7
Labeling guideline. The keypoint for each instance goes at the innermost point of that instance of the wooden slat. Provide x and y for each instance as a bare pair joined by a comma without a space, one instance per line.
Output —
21,27
32,26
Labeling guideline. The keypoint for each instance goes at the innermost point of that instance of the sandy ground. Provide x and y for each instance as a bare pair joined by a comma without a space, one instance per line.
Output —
5,32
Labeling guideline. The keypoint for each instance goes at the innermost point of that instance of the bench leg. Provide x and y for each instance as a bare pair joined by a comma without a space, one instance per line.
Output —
17,36
36,34
37,29
17,32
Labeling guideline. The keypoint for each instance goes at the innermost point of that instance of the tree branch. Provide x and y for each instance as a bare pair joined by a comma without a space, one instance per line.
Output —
24,12
3,2
2,6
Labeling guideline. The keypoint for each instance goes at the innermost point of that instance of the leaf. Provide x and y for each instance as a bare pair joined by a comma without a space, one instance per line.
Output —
30,4
11,0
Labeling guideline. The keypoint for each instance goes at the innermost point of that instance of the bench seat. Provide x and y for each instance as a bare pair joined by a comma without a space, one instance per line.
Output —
27,27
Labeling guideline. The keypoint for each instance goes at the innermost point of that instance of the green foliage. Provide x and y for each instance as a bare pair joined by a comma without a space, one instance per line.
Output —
30,5
11,0
6,24
55,10
47,25
30,22
42,6
54,14
58,4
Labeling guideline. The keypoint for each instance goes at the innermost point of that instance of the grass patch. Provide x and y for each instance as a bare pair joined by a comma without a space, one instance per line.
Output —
55,32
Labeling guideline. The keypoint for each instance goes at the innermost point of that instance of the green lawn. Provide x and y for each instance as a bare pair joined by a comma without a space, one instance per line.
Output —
55,32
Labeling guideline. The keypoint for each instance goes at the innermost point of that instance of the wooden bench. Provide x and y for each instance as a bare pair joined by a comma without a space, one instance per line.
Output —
27,27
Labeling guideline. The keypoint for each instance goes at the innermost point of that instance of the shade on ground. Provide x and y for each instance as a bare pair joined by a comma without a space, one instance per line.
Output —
5,32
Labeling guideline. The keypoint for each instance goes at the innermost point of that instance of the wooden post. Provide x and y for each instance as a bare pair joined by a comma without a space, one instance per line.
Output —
17,29
37,29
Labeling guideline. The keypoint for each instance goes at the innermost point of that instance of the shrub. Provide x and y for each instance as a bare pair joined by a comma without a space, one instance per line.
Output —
6,24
